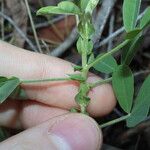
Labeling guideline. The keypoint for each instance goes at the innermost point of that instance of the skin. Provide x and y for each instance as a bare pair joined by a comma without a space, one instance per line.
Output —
45,115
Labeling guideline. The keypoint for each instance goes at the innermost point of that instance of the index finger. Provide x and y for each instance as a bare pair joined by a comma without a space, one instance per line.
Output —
28,65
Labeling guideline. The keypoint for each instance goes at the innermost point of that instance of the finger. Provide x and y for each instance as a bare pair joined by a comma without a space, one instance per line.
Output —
26,114
28,65
68,132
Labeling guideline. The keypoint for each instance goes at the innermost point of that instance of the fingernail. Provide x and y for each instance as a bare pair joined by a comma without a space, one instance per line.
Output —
76,133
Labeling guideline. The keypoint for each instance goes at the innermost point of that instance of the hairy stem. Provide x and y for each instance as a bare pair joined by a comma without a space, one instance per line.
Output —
45,80
100,82
114,50
115,121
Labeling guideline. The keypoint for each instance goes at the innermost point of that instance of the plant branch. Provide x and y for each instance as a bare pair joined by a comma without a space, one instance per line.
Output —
114,50
114,34
115,121
45,80
18,30
92,85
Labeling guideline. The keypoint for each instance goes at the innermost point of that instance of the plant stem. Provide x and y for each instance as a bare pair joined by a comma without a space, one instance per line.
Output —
46,80
114,50
92,85
115,121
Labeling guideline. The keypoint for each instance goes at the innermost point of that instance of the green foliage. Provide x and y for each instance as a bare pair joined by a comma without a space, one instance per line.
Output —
123,85
131,50
91,4
7,86
142,105
122,77
65,7
84,45
107,65
145,21
130,13
132,34
85,27
81,98
91,58
77,68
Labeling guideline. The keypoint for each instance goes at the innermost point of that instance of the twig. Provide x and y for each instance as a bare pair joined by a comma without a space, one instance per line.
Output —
33,27
18,30
45,45
115,121
116,33
66,44
47,23
111,29
101,19
113,35
141,72
2,21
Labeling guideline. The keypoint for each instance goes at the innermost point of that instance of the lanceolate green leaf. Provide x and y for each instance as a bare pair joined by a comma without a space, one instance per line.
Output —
7,88
107,65
145,21
84,45
83,4
123,85
141,106
69,7
130,13
132,49
91,4
65,7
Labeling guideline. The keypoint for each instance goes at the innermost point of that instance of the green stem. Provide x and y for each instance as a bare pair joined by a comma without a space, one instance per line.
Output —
114,50
92,85
45,80
114,121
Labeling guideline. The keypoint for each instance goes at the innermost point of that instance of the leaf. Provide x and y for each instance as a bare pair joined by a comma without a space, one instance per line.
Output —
91,4
132,49
77,68
65,7
77,77
69,7
81,98
15,94
2,80
84,45
91,58
130,13
107,65
8,87
83,4
132,34
142,105
123,85
145,21
86,28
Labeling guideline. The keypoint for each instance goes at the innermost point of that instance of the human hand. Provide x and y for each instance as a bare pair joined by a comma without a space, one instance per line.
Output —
45,115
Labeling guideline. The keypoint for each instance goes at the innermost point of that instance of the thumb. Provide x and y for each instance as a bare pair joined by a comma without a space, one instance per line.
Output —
67,132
